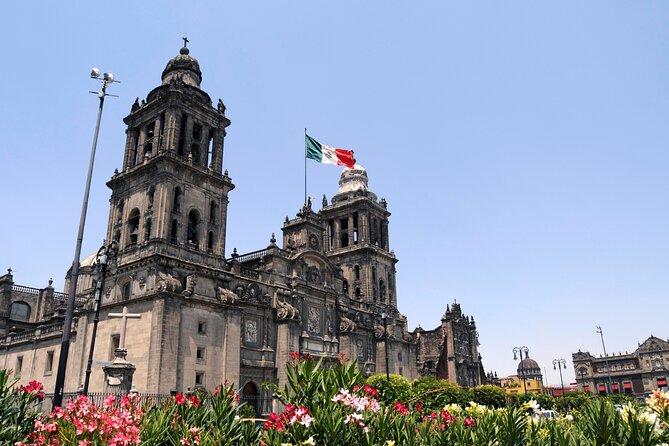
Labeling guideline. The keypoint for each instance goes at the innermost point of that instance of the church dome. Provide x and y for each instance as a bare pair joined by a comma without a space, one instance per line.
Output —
353,183
352,180
528,367
183,66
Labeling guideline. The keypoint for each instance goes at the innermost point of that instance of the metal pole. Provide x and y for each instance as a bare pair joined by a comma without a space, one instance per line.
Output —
606,358
559,363
69,312
96,319
385,331
106,254
521,350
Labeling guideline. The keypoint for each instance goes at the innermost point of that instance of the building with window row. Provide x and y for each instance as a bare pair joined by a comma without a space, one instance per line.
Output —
636,374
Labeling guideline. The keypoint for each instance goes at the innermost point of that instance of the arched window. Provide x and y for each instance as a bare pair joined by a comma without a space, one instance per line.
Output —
117,235
147,229
150,195
148,149
356,270
345,287
174,232
213,210
193,226
358,294
195,154
182,135
210,242
20,311
382,291
176,205
133,227
251,396
119,211
197,132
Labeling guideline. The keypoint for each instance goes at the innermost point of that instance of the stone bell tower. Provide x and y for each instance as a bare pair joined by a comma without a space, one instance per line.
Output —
356,238
171,194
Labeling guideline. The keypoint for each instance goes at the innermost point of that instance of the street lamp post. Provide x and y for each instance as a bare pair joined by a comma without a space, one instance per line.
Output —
606,358
107,78
561,364
519,351
105,261
385,312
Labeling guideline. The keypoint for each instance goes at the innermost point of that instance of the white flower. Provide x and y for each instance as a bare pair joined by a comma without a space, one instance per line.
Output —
532,404
310,442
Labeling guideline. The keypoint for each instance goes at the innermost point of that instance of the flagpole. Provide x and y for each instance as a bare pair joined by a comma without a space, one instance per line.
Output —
305,166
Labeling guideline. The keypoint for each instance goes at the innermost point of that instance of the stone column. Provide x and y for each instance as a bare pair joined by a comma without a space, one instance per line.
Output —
288,340
336,243
232,346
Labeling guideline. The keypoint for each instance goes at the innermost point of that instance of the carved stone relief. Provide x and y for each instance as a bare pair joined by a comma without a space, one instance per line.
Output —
314,321
251,332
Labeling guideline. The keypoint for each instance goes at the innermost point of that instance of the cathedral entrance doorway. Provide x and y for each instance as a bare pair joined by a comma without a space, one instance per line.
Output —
251,396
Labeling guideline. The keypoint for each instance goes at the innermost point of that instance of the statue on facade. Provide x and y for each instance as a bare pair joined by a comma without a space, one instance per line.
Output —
284,310
168,283
191,281
227,296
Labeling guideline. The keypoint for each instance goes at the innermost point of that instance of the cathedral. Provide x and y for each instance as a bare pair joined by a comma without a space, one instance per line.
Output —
192,317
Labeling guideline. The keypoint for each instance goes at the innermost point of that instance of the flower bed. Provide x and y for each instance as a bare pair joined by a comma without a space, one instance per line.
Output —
328,406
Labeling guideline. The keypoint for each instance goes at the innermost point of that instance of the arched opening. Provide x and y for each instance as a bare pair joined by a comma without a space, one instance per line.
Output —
195,154
358,293
251,396
20,311
150,195
356,271
213,210
182,135
382,291
148,150
197,132
210,242
119,211
176,205
343,234
147,229
173,232
192,237
133,227
345,287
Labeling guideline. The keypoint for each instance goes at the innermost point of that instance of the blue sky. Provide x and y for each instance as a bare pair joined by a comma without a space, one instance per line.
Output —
521,145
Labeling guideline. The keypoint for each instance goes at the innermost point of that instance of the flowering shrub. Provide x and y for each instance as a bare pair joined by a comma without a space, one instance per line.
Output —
17,408
83,423
327,405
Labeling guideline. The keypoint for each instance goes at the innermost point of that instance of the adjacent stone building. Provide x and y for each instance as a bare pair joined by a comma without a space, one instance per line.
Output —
451,350
636,374
326,288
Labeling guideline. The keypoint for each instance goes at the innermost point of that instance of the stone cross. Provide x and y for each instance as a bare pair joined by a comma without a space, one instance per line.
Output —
124,322
185,39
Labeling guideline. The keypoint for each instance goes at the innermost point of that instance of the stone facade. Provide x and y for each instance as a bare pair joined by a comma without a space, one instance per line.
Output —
637,373
207,318
451,350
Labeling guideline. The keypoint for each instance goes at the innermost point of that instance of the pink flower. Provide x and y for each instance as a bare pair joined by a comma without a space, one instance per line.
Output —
108,401
179,399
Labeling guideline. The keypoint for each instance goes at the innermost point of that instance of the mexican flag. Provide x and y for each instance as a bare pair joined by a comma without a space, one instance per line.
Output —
328,155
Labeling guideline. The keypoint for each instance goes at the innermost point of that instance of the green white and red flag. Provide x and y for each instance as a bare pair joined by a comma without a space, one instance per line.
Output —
328,155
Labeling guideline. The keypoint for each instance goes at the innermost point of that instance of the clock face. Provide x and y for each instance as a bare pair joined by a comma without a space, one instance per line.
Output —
313,241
